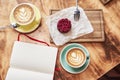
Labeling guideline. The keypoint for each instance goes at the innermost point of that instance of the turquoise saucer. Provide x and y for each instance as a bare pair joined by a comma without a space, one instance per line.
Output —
64,63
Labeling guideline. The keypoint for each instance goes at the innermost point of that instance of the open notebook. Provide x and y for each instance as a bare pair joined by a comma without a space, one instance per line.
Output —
32,62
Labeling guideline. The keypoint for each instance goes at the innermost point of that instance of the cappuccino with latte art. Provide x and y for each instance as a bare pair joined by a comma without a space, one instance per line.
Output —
75,57
24,14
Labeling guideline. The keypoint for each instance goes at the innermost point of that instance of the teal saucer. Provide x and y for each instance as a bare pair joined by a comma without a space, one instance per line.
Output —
64,63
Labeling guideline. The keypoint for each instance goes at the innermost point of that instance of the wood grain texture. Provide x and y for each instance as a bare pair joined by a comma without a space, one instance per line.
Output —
105,1
104,56
113,74
96,18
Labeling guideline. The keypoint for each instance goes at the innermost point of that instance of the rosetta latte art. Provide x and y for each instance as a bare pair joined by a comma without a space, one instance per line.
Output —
23,14
75,57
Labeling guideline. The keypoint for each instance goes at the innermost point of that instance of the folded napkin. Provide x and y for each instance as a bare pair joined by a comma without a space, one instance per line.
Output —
79,28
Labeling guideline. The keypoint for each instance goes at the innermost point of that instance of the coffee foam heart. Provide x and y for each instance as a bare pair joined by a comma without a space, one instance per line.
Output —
76,57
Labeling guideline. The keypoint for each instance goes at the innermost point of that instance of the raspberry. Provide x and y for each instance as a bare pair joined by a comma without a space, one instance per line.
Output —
64,25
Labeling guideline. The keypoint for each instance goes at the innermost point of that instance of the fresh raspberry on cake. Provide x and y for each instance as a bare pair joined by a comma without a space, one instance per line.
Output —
64,25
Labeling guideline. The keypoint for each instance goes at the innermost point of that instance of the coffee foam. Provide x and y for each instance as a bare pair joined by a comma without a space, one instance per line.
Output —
76,57
23,14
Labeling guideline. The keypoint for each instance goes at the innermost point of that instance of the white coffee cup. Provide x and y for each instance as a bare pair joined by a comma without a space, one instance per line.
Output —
23,14
75,57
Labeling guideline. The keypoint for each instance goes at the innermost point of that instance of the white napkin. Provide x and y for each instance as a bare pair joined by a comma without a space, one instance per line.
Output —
79,28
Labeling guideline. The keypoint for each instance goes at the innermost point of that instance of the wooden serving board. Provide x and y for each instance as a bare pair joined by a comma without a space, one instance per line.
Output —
96,18
105,1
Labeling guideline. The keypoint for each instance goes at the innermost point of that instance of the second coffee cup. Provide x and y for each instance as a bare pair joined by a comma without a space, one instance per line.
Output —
75,57
23,14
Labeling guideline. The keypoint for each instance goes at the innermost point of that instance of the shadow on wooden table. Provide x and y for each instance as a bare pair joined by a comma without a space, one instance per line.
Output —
113,74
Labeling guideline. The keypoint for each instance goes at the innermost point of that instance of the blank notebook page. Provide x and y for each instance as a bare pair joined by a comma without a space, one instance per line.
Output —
32,57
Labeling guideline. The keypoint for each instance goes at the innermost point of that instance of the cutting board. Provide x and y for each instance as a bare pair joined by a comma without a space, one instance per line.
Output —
105,1
96,18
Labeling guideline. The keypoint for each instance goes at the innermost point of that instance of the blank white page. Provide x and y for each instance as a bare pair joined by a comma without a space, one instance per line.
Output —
20,74
33,57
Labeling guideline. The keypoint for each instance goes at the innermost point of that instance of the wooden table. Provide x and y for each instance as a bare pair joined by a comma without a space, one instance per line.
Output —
104,55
